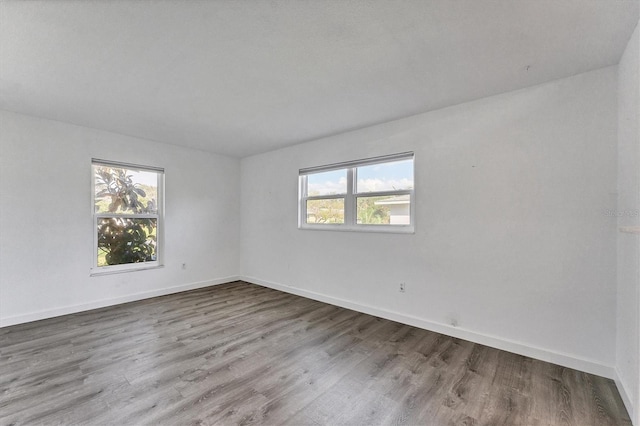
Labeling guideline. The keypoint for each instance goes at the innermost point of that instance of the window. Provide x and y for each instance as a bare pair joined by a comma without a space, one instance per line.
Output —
376,194
127,216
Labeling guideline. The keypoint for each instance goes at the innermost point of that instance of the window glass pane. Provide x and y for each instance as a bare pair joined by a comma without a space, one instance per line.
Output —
327,183
394,210
119,190
325,211
394,176
126,240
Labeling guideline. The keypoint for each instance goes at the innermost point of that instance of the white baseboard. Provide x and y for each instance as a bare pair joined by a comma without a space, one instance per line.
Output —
565,360
625,394
56,312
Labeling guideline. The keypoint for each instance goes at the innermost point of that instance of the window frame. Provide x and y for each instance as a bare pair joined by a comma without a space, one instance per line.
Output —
159,216
351,196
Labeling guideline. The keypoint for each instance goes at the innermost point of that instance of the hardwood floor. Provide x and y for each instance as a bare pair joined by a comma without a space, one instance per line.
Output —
243,354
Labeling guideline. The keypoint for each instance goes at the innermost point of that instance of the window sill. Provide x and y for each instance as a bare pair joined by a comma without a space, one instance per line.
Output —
381,229
99,272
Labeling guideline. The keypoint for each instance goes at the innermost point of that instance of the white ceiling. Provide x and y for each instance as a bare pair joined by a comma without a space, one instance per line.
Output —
247,76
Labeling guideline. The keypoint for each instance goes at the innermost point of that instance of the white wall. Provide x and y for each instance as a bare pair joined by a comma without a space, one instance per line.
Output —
628,291
511,240
46,224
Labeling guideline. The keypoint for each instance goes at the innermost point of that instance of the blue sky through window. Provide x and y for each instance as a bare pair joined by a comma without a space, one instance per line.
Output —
326,183
397,175
393,176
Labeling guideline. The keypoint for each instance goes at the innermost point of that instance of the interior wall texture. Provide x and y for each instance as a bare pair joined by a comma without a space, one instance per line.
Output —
514,245
628,250
46,225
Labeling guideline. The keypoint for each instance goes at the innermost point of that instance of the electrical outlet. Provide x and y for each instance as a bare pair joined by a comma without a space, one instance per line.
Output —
402,288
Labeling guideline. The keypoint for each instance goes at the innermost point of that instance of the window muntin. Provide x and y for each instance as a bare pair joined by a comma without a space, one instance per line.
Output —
373,194
127,211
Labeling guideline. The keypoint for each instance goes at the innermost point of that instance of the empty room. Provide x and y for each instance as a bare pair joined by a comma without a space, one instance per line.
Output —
320,212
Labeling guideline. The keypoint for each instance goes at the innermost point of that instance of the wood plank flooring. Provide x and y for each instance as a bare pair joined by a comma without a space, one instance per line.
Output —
243,354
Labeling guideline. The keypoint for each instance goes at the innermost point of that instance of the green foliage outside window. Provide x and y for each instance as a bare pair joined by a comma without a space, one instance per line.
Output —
371,213
124,239
325,211
331,211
